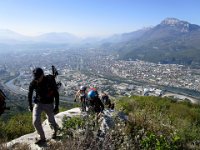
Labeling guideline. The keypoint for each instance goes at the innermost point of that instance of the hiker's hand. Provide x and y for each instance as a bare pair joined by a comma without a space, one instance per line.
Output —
99,114
56,110
102,112
30,108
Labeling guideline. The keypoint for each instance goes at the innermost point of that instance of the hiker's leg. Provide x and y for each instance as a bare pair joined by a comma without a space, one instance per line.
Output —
48,108
84,105
37,110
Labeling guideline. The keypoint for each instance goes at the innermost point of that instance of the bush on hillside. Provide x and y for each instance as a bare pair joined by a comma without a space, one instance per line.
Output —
161,123
18,125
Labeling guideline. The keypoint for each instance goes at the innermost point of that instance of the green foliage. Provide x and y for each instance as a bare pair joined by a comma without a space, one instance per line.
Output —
160,142
2,129
61,109
17,126
161,123
73,123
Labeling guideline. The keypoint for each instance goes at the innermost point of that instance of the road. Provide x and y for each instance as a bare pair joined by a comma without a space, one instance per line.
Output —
192,100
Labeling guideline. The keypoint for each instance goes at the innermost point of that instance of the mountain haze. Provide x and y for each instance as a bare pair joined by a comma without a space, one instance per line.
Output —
11,37
8,36
55,37
171,41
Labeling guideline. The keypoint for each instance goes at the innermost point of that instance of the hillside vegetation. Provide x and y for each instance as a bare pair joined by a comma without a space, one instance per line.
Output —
162,123
153,123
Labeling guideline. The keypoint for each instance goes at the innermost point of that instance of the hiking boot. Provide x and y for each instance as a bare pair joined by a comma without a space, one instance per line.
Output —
54,135
40,141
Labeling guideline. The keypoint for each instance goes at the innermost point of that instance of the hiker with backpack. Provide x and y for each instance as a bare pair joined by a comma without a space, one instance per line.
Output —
46,95
82,96
95,103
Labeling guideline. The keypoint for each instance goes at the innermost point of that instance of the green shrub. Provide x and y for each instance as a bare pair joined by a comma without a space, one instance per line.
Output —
165,124
73,123
18,125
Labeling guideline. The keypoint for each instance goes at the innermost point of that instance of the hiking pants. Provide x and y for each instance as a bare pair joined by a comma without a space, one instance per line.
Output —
37,110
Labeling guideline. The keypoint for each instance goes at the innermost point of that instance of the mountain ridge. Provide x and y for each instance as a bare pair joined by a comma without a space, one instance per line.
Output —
171,41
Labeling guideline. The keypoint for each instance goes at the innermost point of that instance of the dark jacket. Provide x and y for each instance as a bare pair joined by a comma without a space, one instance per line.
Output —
46,91
97,104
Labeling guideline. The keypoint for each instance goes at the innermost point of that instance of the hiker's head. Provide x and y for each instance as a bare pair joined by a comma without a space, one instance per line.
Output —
104,96
38,74
92,94
83,88
92,88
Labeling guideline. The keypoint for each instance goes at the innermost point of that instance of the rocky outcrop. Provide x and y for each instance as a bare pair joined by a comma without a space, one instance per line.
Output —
29,139
105,128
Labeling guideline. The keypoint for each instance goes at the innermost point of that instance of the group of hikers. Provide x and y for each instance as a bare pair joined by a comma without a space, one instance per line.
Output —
46,99
91,100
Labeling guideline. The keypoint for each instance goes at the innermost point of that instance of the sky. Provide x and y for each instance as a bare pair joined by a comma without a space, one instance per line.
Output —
92,17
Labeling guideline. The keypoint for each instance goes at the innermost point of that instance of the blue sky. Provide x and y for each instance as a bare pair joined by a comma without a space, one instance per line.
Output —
92,17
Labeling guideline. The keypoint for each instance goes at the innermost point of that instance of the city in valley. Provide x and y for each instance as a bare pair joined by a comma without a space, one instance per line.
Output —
102,70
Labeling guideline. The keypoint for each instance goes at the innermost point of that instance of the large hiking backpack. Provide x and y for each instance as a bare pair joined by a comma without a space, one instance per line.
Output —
51,84
46,91
2,102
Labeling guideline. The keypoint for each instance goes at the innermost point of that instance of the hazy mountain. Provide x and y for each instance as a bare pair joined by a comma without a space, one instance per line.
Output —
11,37
171,41
8,36
55,37
127,36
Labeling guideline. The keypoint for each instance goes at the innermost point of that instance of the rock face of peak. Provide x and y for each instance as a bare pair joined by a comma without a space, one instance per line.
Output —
172,21
179,25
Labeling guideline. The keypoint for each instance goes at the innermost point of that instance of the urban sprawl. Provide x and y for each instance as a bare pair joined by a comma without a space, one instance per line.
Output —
115,77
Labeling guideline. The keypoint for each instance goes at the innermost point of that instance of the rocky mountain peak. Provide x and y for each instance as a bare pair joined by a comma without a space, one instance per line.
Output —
170,21
183,26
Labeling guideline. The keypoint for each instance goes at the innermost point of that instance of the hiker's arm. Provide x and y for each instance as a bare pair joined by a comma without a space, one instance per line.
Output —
76,95
101,104
56,98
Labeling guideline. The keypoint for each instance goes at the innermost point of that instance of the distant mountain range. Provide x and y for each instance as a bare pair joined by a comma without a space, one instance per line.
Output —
8,36
171,41
11,37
